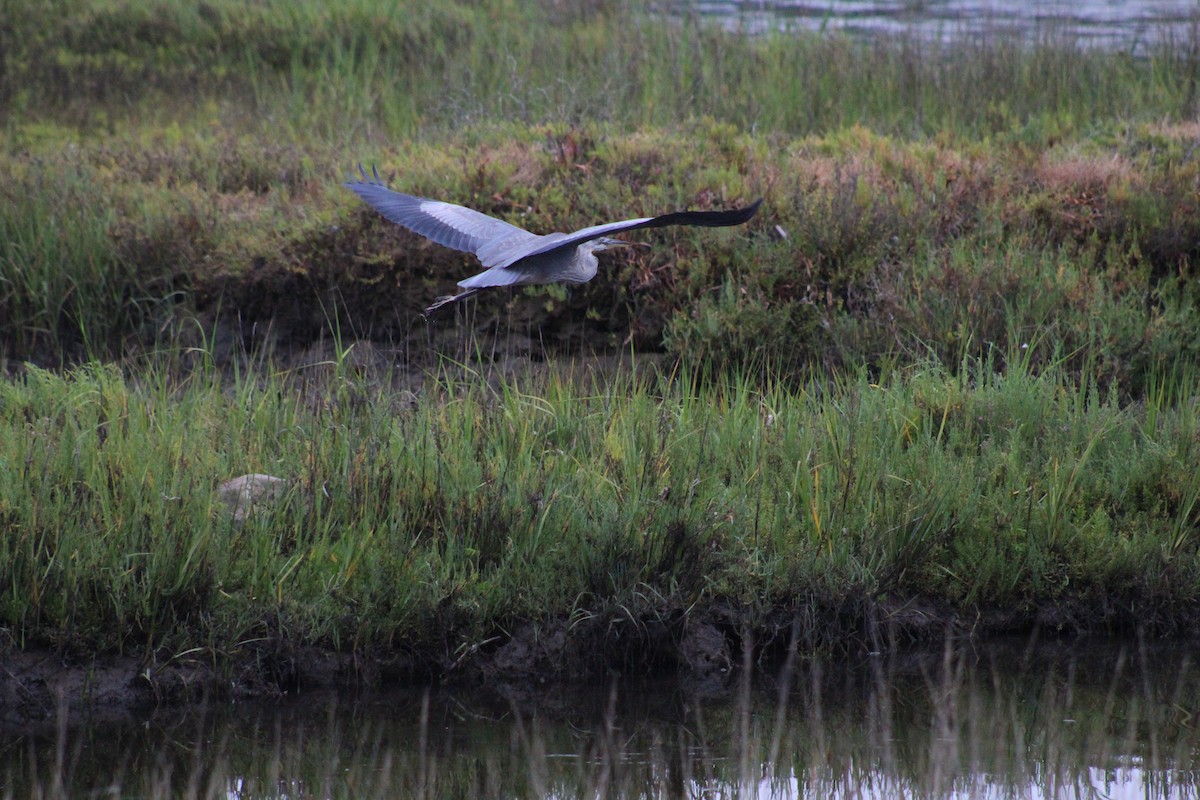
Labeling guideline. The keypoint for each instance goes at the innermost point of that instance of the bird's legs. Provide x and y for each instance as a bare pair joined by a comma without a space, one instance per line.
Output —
451,298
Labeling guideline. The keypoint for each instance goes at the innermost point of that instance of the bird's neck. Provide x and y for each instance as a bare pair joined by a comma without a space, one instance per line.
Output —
584,266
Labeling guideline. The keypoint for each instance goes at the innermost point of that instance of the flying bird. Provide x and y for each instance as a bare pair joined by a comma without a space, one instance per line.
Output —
513,256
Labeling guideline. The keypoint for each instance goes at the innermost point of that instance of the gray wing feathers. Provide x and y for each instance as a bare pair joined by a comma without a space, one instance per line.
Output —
706,219
509,250
499,245
558,241
445,223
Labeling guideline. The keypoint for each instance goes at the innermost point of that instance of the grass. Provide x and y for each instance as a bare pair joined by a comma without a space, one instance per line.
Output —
895,249
938,199
481,505
952,362
410,69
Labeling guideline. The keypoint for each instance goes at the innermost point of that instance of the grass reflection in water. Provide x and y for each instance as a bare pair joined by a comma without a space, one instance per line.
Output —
1002,721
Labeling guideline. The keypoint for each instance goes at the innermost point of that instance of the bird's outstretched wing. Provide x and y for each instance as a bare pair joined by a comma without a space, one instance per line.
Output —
707,219
449,225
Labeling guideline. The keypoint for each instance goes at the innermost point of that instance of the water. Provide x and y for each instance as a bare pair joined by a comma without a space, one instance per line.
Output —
1132,25
997,722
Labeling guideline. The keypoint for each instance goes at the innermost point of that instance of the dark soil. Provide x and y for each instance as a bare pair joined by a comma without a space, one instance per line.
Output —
704,648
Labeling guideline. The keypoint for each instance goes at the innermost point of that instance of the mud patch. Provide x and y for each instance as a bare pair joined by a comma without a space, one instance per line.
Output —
36,686
703,647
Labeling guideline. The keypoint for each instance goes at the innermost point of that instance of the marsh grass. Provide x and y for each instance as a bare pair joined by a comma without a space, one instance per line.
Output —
896,250
371,70
60,281
1000,721
437,522
944,199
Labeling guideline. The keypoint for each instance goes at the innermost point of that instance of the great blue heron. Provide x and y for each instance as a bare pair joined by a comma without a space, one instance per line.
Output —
514,256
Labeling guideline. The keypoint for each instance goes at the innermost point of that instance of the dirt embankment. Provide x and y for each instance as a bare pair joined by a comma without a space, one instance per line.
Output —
705,648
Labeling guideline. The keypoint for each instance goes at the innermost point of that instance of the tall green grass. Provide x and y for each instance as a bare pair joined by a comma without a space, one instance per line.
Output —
353,70
440,523
60,280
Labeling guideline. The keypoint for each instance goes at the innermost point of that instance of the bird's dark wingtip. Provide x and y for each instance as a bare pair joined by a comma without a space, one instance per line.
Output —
713,219
749,211
372,179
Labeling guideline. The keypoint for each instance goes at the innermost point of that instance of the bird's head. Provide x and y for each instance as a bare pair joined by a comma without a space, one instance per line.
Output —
607,243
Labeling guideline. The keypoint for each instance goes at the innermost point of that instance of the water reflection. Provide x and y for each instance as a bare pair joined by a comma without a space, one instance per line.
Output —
1132,25
1001,721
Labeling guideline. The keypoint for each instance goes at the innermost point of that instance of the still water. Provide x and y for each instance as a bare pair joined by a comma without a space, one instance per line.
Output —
1132,25
1014,720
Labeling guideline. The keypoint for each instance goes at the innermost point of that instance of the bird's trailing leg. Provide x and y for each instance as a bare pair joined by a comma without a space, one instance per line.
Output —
451,298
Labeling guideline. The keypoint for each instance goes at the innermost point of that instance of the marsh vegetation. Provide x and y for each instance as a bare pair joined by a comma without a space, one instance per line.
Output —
947,378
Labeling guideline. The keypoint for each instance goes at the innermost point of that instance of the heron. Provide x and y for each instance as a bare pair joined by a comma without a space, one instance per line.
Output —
513,256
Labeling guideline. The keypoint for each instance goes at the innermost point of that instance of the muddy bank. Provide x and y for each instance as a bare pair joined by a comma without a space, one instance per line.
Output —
704,649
